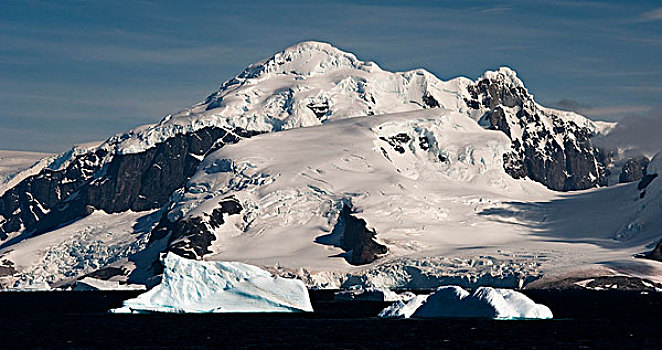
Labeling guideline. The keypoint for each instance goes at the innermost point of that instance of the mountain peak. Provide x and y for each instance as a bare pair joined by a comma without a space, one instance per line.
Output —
307,58
504,75
306,46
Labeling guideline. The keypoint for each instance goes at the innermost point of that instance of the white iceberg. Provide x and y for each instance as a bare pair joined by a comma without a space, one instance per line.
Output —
485,302
403,308
190,286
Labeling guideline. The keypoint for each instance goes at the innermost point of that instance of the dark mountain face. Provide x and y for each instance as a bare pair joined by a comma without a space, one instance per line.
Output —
27,203
109,182
546,147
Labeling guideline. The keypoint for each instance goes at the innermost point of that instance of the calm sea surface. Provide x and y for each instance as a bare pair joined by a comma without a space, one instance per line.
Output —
585,319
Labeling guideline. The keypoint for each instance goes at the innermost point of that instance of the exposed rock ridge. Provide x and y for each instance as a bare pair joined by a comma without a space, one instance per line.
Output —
546,147
109,182
27,203
191,237
634,169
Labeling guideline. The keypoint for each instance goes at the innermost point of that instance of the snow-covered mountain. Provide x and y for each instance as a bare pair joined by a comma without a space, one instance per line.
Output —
315,163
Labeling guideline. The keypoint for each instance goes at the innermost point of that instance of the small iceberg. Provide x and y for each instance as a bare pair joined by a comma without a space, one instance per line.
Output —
485,302
190,286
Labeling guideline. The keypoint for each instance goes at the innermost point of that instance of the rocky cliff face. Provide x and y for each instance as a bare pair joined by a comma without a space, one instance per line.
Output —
634,169
191,237
110,182
26,204
546,146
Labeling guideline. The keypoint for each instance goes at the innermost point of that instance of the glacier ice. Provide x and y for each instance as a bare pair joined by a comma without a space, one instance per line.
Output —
358,292
94,284
484,302
190,286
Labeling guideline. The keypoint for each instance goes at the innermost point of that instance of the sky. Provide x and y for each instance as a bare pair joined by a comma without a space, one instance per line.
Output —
79,71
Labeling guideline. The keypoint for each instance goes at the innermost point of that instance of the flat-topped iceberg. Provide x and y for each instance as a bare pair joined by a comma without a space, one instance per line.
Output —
190,286
484,302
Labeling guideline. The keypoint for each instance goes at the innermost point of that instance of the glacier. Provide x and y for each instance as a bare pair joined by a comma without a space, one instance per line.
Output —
94,284
484,302
190,286
358,292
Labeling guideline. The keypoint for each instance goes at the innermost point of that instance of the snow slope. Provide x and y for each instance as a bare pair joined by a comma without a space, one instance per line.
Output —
304,85
12,162
431,185
293,192
80,248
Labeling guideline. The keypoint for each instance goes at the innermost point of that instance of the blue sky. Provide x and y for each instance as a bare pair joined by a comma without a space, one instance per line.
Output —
78,71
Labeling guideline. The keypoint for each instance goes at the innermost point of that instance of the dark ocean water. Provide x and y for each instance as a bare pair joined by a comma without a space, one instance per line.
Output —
585,319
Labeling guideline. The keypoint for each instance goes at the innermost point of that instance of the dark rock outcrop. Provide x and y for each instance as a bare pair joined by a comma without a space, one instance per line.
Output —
109,182
191,237
645,181
27,203
7,268
399,140
656,253
357,239
107,273
429,101
551,150
634,169
320,110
